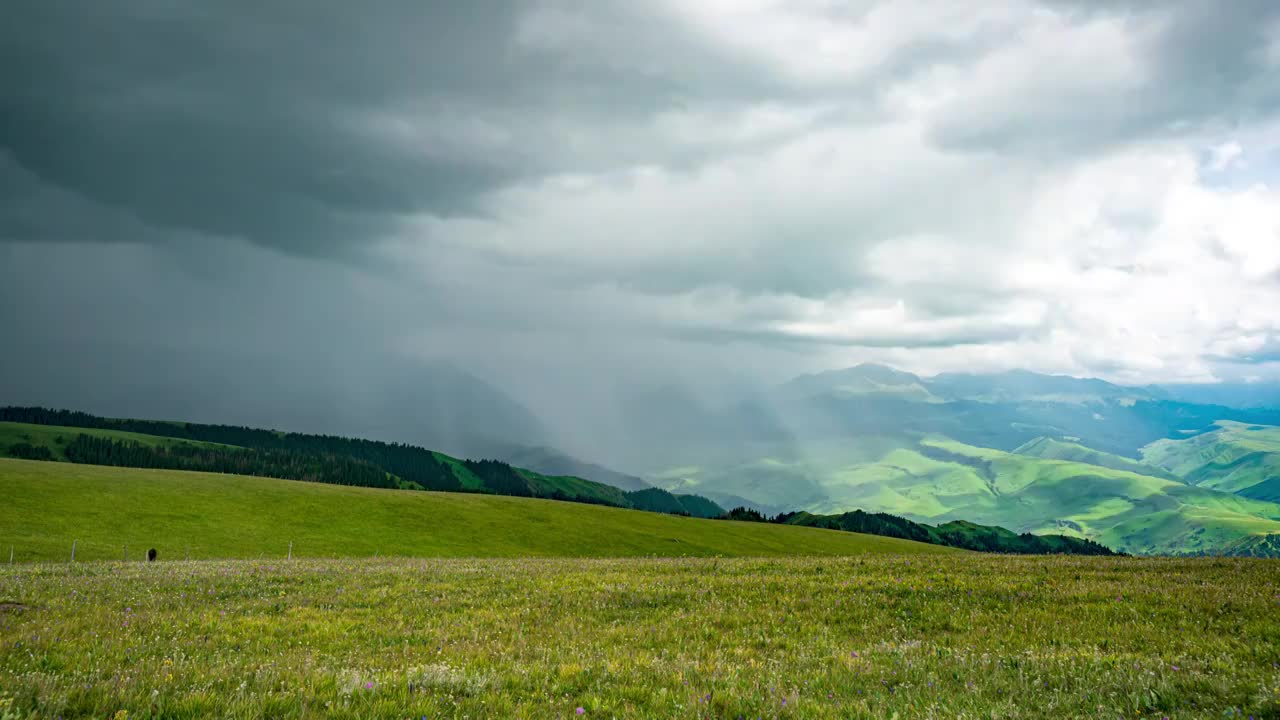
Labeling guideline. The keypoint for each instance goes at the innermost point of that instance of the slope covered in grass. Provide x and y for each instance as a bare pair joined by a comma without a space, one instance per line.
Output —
102,509
1123,510
117,442
1236,457
1051,449
936,480
55,438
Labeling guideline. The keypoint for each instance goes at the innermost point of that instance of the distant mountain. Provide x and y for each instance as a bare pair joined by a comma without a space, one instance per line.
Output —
1234,457
1026,386
550,461
1002,410
942,480
1233,395
958,534
1050,449
1068,459
866,379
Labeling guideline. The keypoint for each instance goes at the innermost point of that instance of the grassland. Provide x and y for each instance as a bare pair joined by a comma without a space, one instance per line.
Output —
1236,458
879,636
48,506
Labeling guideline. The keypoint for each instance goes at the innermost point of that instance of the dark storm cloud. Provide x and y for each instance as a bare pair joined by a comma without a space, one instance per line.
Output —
316,127
313,125
271,204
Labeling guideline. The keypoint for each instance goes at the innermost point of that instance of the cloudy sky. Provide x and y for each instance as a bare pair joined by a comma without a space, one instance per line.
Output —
563,195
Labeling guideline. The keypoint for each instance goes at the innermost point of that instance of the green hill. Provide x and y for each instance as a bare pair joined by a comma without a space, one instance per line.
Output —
102,509
936,480
83,438
55,438
944,480
957,534
1236,457
657,500
1050,449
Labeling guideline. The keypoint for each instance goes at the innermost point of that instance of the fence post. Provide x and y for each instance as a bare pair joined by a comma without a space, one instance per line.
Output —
10,554
73,550
290,549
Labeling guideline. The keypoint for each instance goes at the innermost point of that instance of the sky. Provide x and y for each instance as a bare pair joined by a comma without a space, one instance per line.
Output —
218,201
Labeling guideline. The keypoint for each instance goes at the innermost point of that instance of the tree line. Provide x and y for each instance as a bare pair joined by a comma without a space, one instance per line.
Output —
284,464
964,535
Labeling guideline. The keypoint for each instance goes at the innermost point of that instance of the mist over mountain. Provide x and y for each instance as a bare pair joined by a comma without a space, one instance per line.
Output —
436,404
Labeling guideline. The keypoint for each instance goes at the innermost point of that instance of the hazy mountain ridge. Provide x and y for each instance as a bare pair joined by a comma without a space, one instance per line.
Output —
948,447
550,461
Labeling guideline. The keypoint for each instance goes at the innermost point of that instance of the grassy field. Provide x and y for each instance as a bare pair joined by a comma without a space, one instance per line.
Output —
878,636
48,506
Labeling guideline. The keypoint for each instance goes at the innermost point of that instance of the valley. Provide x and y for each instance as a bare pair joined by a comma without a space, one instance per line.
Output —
1042,454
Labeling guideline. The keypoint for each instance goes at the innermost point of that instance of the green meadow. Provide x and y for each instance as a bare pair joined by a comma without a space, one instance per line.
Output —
956,635
412,604
49,506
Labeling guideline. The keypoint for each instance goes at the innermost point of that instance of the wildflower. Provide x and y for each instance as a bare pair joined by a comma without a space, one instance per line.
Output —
579,711
368,685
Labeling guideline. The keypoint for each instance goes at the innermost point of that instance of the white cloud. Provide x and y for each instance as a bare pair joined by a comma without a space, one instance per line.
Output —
827,43
1225,155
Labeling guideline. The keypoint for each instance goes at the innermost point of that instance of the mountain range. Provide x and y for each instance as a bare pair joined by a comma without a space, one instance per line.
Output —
1176,469
1135,468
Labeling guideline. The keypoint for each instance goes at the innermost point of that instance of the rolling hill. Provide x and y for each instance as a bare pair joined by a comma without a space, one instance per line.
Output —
937,480
103,509
1235,457
345,461
54,438
1050,449
1139,469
